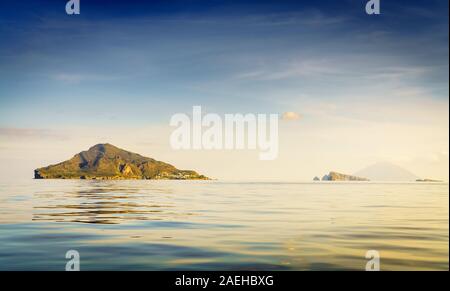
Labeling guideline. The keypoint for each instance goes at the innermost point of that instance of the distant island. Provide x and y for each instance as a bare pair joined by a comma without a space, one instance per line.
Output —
429,180
335,176
107,162
381,171
385,171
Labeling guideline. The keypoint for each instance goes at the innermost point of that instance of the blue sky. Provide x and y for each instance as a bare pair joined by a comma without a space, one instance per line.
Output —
153,58
135,63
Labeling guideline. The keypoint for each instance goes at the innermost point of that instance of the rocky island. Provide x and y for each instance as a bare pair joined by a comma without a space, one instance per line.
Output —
107,162
429,180
334,176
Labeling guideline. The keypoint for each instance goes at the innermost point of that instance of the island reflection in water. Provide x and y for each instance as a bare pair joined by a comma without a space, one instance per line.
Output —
108,203
212,225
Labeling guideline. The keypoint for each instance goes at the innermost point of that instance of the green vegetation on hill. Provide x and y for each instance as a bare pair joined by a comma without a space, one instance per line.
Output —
105,161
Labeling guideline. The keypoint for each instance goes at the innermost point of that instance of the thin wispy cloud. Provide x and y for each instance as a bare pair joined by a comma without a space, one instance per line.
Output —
308,18
31,133
78,78
306,68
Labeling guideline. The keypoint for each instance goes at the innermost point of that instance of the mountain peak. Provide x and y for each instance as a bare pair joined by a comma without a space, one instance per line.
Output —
103,147
385,171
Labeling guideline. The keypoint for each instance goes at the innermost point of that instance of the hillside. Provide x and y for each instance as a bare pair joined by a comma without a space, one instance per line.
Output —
105,161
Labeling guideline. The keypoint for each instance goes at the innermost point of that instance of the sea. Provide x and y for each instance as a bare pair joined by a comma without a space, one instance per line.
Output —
223,225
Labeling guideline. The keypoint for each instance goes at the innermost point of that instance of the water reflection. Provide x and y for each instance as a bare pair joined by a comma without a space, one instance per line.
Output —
106,203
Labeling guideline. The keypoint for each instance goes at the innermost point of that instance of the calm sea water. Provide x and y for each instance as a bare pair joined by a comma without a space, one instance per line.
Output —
212,225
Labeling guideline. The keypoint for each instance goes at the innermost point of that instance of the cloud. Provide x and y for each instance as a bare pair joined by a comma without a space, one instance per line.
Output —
399,72
13,132
308,68
77,78
290,116
310,18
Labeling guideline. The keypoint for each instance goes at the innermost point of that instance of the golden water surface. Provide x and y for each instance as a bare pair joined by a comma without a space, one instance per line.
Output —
213,225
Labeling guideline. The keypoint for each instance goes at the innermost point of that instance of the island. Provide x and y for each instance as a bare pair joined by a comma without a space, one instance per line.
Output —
429,180
107,162
335,176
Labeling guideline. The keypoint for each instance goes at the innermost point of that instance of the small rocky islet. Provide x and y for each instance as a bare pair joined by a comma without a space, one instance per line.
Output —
335,176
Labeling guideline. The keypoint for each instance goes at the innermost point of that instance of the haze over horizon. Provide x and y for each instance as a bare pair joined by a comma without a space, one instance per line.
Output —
363,89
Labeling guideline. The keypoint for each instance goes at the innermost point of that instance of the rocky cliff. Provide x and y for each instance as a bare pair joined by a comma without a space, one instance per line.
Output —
107,162
334,176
